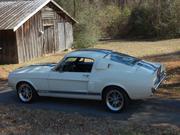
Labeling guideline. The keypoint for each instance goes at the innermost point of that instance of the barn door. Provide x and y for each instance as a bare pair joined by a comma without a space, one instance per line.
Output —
62,40
48,44
69,35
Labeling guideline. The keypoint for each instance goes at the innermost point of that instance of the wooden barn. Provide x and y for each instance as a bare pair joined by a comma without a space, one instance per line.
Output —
33,28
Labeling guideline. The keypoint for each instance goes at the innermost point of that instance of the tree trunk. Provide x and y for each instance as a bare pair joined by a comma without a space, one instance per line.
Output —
74,3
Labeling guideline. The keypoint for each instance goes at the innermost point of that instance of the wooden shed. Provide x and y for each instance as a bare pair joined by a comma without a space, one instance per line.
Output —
33,28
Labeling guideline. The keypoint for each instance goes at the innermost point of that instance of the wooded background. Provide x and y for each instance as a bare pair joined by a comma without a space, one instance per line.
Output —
132,19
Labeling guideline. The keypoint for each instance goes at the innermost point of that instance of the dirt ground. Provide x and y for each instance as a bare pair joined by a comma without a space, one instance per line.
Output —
24,120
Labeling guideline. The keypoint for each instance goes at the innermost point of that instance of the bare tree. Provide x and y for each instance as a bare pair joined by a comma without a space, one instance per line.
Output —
74,3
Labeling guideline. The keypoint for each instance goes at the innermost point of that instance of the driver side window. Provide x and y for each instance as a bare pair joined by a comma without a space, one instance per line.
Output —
76,64
68,65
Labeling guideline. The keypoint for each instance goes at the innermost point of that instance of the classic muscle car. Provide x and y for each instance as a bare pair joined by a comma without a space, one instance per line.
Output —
94,74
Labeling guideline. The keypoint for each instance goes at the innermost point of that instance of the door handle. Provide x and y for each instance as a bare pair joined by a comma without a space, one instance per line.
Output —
86,75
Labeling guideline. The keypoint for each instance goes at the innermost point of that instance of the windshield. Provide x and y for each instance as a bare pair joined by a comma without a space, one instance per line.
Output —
124,59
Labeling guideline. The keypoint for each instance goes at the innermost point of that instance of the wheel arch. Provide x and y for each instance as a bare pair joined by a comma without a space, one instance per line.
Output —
106,88
25,81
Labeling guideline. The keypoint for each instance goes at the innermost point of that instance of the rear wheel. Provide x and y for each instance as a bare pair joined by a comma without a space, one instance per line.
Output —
26,92
115,99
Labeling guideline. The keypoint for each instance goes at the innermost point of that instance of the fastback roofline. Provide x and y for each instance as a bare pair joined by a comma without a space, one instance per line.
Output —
96,50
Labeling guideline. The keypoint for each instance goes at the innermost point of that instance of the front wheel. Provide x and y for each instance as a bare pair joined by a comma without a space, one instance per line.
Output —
115,99
25,92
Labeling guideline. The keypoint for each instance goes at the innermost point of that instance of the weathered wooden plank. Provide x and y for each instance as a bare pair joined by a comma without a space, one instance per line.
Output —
29,42
48,13
19,42
61,31
69,34
49,45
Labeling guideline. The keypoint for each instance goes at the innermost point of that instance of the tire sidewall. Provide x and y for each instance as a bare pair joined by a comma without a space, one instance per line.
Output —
33,93
125,99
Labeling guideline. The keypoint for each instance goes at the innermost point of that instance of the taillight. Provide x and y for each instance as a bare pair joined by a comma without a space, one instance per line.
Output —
159,73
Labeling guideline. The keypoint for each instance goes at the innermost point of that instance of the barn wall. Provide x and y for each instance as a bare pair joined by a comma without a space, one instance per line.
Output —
63,32
31,43
69,34
30,39
50,21
59,33
8,49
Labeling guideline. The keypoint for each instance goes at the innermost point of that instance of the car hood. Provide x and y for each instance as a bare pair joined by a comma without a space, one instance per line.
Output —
38,68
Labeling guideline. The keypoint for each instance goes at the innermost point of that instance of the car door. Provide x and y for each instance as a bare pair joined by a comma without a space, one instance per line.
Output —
71,76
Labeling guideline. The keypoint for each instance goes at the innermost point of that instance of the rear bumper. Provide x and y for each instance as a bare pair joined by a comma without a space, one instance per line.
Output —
154,89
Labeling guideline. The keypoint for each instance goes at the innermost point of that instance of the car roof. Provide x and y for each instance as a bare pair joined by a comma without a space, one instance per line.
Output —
90,53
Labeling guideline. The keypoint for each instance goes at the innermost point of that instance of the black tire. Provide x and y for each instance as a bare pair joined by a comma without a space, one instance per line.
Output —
121,100
29,92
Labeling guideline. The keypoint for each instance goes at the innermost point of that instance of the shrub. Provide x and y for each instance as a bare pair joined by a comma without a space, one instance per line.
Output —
107,17
152,21
112,20
83,37
141,23
86,33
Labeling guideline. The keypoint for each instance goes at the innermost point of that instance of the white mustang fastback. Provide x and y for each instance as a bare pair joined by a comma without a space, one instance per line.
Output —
93,74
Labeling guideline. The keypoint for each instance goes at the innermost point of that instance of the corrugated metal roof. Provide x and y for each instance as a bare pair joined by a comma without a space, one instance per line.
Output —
14,13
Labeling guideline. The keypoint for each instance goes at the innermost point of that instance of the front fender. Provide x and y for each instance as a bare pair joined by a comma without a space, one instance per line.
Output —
27,81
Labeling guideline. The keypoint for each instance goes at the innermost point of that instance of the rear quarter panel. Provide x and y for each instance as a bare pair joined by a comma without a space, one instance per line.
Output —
134,81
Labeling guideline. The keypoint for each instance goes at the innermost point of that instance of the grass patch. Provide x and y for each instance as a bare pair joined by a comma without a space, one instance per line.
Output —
142,48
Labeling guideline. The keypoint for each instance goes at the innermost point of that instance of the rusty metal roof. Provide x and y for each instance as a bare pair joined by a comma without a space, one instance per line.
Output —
14,13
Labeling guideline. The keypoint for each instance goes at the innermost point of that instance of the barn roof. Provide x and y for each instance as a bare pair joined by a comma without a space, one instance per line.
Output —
14,13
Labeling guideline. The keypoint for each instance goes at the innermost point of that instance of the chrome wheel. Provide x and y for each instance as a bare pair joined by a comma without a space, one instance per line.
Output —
115,100
25,93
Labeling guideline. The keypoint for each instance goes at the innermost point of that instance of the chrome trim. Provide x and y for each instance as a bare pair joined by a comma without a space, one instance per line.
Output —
68,92
161,80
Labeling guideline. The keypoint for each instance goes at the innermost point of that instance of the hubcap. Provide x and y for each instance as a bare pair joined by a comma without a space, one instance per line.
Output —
25,93
114,100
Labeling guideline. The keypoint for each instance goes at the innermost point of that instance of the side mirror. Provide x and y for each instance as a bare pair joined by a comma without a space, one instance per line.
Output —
102,65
